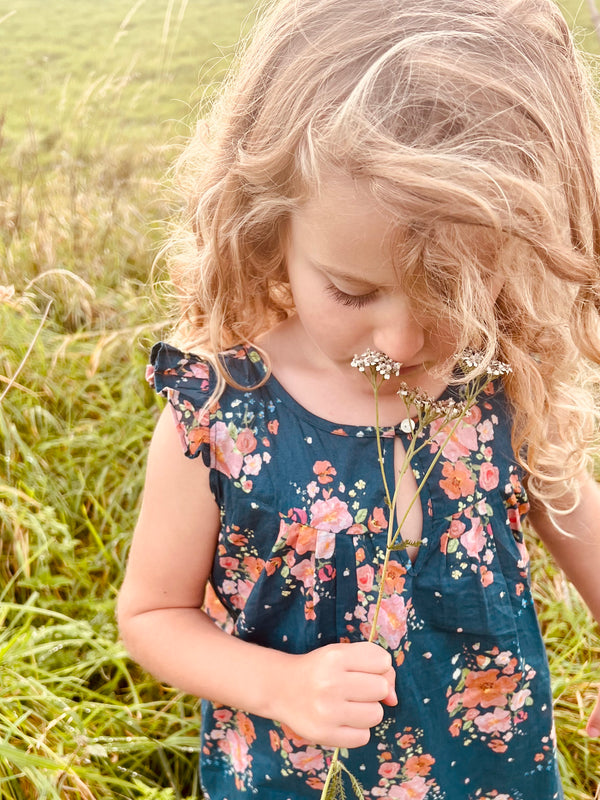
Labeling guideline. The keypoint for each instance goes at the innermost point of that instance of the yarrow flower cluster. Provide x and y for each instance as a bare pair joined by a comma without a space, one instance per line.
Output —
428,409
472,359
378,363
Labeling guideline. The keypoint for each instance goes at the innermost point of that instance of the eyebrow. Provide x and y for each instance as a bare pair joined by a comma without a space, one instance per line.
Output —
355,279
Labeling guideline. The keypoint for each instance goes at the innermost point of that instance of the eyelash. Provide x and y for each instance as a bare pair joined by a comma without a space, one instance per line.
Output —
350,300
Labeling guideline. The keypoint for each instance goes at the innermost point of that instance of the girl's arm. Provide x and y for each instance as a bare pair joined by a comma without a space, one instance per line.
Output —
577,552
331,696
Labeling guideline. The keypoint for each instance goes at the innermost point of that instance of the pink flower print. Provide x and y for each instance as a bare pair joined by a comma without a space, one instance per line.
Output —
325,544
473,540
238,751
495,721
518,699
524,555
246,441
243,593
389,769
414,789
309,760
355,530
312,489
330,515
226,459
227,562
305,572
391,621
457,481
488,476
486,431
461,443
252,464
364,577
199,371
222,714
454,701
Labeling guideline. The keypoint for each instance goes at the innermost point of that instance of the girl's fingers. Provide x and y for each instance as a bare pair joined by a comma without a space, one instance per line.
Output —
360,687
367,657
362,716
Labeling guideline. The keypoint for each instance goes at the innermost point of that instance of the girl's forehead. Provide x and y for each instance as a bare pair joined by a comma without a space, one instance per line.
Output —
344,202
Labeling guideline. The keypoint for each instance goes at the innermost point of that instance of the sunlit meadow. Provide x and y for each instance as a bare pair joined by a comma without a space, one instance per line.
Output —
95,98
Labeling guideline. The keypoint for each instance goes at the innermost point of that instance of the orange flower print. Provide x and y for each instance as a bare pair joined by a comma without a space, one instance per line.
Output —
487,690
419,765
377,521
457,481
275,740
273,426
394,579
301,538
196,437
245,727
324,471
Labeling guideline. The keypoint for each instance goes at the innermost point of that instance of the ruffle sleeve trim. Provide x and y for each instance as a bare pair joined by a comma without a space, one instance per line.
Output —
187,382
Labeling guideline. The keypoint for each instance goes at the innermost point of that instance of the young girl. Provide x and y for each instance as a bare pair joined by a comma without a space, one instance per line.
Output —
414,178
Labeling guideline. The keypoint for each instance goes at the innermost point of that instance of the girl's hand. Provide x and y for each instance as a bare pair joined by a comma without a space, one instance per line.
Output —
333,696
593,724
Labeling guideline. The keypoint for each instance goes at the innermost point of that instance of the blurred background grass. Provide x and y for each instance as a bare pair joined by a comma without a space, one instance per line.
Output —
95,100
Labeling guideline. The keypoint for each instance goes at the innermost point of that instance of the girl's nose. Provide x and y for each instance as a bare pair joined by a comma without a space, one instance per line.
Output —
398,335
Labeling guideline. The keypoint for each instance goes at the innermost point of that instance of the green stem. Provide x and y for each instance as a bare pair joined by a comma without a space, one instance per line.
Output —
379,447
330,772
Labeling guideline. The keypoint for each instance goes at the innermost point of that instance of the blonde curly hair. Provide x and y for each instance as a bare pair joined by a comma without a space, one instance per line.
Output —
473,125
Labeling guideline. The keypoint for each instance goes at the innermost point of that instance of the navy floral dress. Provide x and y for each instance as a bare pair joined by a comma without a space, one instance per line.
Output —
302,540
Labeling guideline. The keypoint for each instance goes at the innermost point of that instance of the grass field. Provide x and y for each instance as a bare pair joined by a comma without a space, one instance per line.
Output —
95,98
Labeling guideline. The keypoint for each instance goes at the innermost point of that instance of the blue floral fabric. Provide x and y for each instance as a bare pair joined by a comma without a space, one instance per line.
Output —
301,544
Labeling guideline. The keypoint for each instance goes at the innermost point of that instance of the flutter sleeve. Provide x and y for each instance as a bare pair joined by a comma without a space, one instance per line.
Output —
187,382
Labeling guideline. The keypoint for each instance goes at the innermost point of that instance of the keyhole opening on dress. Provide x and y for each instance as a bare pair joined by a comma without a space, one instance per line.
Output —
412,529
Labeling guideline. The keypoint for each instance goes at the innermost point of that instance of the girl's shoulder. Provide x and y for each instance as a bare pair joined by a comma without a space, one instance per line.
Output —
190,381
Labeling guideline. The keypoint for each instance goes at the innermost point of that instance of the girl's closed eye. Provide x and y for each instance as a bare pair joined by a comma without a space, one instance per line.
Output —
351,300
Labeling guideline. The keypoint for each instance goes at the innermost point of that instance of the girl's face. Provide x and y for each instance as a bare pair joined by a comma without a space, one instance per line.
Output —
345,285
